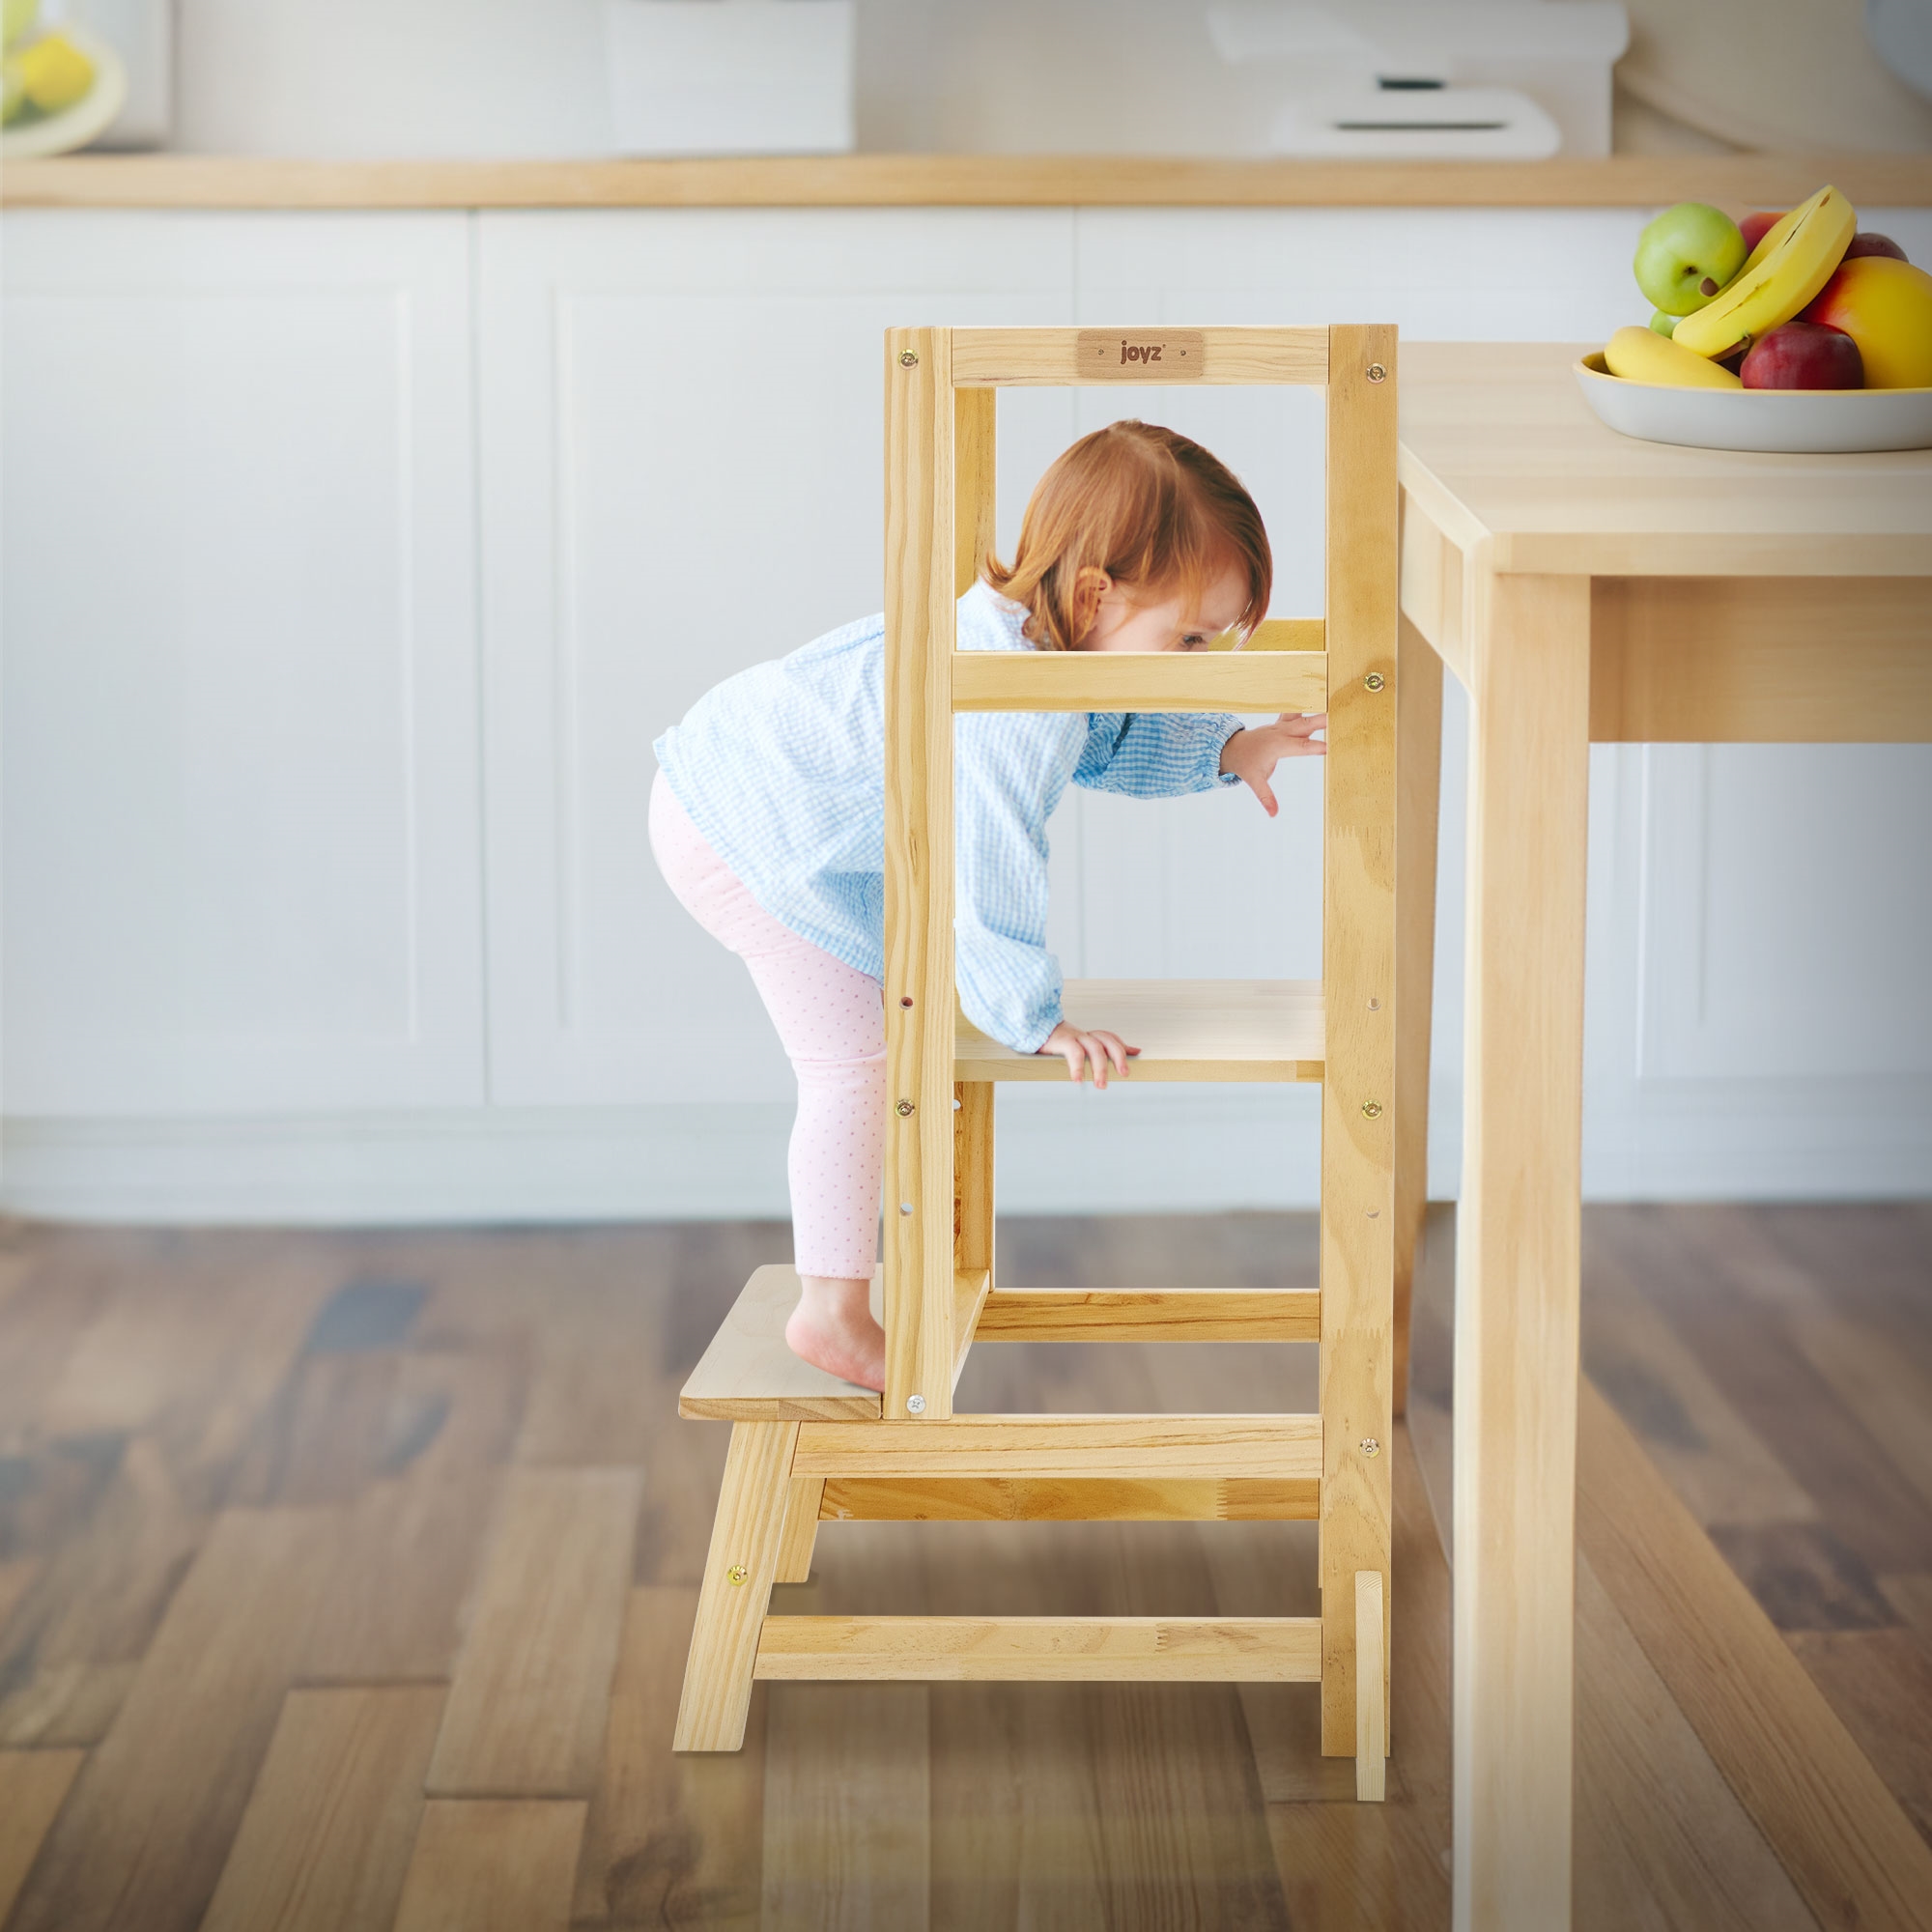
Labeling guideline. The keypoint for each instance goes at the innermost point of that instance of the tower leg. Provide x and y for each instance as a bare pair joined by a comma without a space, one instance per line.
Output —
801,1529
737,1587
1371,1705
1418,689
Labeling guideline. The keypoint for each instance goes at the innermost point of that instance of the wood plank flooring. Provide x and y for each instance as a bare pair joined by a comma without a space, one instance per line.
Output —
345,1581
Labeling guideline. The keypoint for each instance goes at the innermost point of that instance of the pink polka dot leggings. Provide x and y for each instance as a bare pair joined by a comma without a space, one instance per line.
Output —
833,1028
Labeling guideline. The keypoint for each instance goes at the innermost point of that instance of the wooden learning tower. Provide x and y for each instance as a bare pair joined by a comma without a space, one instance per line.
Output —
805,1447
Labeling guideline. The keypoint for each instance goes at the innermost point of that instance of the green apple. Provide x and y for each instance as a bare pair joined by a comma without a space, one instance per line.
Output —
12,91
1687,255
1664,324
16,17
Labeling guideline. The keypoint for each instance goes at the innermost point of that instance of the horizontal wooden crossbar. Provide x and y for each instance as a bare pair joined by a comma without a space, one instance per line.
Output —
1193,1030
1227,1650
1067,1499
1152,1315
1140,680
1280,1448
997,359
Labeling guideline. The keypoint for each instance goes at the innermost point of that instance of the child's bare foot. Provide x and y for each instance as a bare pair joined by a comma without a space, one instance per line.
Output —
832,1328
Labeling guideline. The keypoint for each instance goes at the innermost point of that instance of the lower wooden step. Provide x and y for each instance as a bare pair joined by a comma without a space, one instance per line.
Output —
1223,1650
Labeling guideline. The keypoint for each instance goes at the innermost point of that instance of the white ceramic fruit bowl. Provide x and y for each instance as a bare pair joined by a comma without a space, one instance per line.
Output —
87,120
1804,422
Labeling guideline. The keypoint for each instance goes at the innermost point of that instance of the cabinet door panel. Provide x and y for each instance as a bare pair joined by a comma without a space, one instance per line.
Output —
682,444
240,665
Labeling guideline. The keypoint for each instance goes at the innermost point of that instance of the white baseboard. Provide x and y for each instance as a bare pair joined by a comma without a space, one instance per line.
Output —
1177,1149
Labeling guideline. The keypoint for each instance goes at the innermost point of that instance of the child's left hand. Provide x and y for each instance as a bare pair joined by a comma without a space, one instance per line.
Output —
1251,754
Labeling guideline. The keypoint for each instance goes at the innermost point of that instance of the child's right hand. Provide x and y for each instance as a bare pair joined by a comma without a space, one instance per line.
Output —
1251,754
1083,1050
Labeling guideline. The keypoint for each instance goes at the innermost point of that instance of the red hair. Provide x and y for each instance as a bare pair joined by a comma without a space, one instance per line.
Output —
1148,506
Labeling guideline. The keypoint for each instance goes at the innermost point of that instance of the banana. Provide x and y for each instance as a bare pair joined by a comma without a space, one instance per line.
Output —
1793,262
1642,355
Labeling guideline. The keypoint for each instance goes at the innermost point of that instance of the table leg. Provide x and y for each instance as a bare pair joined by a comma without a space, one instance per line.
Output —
1418,693
1518,1255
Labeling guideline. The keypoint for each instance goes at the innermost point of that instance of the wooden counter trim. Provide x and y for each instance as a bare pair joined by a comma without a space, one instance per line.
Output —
1018,180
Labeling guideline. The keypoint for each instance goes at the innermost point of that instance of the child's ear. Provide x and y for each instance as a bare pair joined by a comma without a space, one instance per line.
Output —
1089,584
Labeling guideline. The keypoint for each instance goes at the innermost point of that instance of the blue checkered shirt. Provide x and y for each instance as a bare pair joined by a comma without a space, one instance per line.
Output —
782,769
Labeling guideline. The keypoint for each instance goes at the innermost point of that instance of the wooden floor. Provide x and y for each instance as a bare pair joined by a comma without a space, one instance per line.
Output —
344,1581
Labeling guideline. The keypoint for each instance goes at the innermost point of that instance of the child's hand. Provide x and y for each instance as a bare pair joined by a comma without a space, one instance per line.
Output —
1253,755
1079,1048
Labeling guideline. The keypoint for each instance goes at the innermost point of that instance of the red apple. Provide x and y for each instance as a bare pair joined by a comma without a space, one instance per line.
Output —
1753,226
1874,244
1803,356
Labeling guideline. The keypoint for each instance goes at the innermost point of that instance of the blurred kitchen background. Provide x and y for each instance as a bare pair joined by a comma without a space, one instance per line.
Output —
353,555
533,77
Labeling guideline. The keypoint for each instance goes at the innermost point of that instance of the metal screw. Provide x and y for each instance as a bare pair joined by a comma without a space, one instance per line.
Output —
915,1404
905,1207
1373,1109
1370,1446
1376,373
909,359
957,1103
736,1573
903,1108
1374,680
1374,1006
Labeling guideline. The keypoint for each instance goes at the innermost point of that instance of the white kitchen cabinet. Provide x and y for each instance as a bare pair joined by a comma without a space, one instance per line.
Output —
242,846
682,432
315,623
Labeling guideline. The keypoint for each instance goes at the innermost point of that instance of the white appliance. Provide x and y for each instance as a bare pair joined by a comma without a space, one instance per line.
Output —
730,76
1497,79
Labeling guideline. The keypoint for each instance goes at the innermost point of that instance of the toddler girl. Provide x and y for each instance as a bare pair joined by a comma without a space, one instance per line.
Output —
767,816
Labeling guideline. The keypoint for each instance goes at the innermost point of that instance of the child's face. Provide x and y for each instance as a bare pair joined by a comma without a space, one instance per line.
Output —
1166,622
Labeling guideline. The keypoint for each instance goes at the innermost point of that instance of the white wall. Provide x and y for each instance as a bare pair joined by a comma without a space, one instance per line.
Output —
292,932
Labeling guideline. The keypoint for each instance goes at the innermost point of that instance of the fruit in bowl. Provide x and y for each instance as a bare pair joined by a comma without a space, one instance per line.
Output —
1874,244
1687,255
1792,262
46,77
1755,227
1643,355
1803,356
1884,305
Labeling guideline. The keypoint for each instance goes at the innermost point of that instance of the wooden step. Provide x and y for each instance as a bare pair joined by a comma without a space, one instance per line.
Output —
1212,1030
749,1374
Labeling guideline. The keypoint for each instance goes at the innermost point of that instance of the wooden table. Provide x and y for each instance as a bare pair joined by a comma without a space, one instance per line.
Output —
1583,586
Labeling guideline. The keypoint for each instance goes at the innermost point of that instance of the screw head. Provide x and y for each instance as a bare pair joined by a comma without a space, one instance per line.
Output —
1370,1446
736,1574
909,359
1374,1006
905,1207
1376,373
1373,1109
1374,680
903,1108
905,999
915,1404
